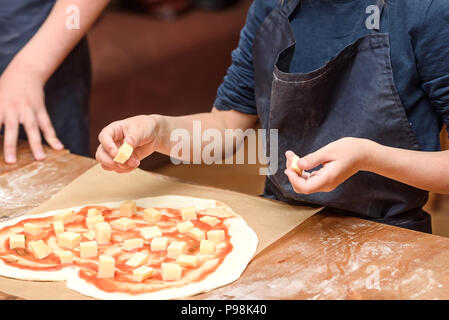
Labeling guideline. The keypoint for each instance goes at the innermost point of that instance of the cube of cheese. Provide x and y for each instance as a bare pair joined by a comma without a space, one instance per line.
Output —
294,165
123,224
124,153
64,216
92,212
176,248
184,227
32,228
186,260
102,232
150,232
188,214
151,215
216,235
66,257
39,249
58,227
106,267
212,221
90,235
159,244
137,259
207,247
69,239
128,208
197,234
132,244
171,271
93,220
142,273
16,241
88,249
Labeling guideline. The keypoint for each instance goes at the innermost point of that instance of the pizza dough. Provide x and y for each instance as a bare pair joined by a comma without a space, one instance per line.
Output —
210,273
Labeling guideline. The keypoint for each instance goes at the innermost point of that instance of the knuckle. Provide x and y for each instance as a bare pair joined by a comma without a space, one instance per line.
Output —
10,122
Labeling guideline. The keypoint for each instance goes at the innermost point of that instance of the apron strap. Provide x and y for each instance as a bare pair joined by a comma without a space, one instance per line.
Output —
288,6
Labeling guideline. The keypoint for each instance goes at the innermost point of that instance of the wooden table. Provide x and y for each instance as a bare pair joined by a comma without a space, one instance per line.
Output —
326,257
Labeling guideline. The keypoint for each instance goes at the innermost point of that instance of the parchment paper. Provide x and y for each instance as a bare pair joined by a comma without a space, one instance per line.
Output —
269,219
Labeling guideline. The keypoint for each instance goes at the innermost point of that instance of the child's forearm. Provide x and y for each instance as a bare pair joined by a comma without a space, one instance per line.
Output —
218,120
423,170
54,41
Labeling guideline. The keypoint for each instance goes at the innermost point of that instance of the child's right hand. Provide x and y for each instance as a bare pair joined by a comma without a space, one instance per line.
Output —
139,132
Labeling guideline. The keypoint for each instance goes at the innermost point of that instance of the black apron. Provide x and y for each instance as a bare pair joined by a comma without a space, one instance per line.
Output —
353,95
67,92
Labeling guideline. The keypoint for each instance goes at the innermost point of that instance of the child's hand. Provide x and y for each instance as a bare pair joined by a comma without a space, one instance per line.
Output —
139,132
340,160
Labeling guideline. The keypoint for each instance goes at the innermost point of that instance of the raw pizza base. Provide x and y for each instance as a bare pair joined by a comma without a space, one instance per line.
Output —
243,239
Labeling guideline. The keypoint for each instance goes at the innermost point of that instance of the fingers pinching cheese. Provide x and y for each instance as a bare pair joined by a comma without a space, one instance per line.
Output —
294,165
124,153
171,271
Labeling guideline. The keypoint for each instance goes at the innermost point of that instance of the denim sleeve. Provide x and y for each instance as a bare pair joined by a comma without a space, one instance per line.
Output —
237,90
432,56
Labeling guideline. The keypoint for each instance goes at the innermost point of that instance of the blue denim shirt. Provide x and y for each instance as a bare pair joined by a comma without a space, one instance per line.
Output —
419,39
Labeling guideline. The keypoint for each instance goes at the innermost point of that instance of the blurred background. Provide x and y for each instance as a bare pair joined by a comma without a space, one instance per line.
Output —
169,57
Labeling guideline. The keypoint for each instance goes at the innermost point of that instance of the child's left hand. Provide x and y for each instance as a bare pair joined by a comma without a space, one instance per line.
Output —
340,160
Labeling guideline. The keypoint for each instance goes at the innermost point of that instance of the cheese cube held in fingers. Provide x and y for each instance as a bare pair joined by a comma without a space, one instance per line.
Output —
124,153
294,165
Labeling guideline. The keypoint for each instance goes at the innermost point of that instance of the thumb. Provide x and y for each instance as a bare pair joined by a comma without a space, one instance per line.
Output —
312,160
132,141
